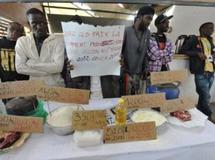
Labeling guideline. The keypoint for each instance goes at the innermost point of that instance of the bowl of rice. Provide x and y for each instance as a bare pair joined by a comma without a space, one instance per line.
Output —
60,120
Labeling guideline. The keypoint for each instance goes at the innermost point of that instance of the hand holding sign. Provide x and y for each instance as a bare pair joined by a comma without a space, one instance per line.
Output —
69,66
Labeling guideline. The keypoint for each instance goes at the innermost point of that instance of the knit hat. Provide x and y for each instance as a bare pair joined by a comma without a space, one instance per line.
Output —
145,10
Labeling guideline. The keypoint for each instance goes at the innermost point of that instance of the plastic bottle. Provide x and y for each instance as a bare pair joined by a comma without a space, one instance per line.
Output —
121,112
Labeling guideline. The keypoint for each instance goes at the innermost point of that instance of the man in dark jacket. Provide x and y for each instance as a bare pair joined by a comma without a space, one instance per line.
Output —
107,85
200,49
7,54
134,52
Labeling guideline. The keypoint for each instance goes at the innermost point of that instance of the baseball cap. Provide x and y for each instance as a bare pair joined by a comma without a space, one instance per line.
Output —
161,18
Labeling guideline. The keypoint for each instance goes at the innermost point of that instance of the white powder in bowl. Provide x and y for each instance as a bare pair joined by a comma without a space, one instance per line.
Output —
147,116
61,117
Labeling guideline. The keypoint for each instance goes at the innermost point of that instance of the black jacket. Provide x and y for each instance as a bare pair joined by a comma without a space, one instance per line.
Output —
191,48
109,85
7,62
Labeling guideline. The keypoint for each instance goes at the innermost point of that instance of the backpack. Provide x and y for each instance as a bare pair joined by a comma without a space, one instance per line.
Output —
180,42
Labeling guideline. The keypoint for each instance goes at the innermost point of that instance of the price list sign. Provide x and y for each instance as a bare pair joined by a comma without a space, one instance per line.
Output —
168,76
87,120
145,100
130,132
173,105
21,124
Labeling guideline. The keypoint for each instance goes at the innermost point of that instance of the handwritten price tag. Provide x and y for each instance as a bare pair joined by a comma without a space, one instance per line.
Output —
168,76
130,132
86,120
178,104
19,88
21,124
145,100
66,95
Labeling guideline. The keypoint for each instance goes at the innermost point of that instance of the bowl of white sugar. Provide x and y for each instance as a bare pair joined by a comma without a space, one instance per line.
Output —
60,120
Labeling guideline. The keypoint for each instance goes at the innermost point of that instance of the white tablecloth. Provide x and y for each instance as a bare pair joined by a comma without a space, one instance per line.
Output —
173,143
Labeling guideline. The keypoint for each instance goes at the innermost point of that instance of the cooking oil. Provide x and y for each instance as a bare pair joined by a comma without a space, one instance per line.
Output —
121,112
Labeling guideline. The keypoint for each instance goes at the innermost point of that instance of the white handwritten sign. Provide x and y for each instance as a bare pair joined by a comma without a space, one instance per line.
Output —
94,51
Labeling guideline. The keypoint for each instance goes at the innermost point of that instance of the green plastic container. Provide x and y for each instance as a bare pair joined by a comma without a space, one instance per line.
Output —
39,111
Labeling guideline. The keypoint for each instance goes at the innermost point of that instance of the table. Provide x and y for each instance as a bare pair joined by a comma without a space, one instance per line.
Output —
173,143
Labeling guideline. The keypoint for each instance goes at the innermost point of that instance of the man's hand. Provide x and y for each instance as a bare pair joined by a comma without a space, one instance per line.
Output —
31,62
202,56
121,62
145,75
68,65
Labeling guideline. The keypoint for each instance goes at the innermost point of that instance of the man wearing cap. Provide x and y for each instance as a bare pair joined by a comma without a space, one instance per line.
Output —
160,48
134,52
200,49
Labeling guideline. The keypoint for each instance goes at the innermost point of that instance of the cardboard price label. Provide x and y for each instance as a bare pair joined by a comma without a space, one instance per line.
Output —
21,124
178,104
66,95
86,120
19,88
145,100
130,132
168,76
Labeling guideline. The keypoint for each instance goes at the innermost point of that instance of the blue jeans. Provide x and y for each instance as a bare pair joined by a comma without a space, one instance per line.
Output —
203,86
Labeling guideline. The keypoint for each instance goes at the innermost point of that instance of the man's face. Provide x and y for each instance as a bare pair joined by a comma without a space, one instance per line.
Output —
209,29
145,21
38,25
15,31
164,26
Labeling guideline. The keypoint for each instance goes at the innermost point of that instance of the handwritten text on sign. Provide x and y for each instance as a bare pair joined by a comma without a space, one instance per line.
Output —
130,132
168,76
89,47
19,88
66,95
21,124
145,100
178,104
85,120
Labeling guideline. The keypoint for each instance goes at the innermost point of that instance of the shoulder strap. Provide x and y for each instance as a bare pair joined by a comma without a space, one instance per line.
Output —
157,39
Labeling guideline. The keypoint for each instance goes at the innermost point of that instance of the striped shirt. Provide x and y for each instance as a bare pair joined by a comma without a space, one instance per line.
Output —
158,57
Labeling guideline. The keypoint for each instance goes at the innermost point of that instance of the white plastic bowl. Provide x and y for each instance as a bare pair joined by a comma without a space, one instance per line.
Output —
60,120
